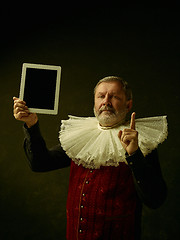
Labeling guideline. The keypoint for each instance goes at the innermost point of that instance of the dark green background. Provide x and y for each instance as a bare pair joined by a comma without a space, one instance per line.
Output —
89,42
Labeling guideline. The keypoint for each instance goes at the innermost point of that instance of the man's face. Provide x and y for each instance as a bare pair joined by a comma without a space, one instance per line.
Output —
110,104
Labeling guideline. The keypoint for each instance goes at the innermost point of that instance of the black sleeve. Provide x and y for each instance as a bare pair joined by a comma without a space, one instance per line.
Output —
39,157
150,185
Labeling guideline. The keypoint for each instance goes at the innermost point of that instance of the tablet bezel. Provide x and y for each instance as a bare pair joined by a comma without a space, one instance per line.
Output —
57,90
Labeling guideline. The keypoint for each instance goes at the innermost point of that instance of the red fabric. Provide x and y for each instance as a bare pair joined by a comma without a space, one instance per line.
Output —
101,203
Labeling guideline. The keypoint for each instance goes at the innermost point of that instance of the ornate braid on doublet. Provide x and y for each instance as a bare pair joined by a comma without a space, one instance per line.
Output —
101,203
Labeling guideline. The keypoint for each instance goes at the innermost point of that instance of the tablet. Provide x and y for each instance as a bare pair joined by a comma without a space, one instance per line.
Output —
40,86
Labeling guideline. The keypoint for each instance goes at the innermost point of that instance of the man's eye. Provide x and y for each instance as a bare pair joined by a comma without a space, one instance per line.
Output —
101,96
116,97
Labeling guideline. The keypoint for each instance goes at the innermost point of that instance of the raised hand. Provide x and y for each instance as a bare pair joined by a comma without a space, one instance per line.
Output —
129,137
21,113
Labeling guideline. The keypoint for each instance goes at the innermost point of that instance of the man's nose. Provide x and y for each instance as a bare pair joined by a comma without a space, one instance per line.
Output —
107,100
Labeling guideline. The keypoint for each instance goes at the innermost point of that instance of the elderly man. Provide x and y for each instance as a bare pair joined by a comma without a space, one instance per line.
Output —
114,163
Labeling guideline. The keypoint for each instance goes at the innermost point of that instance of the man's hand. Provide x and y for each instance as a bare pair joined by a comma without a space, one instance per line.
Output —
129,137
21,113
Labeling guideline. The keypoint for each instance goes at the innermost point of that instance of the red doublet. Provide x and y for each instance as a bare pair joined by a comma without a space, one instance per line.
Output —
101,203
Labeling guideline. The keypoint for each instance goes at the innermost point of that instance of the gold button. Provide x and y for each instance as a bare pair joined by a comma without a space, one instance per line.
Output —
82,206
80,231
87,182
81,219
84,194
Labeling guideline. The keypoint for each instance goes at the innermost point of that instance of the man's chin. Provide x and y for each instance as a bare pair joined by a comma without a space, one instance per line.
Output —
106,120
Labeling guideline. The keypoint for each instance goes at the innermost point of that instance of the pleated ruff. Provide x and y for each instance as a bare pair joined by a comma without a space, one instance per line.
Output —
92,146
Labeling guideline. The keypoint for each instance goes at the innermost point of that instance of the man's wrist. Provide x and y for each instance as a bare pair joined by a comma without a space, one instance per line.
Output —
30,125
33,132
131,154
130,158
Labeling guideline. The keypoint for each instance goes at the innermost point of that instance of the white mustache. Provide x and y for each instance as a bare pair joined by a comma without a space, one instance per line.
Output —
106,108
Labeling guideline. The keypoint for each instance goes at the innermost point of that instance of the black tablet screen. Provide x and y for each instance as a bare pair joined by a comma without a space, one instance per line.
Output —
40,87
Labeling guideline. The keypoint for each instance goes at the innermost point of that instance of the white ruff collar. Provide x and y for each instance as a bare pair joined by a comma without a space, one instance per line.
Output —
87,143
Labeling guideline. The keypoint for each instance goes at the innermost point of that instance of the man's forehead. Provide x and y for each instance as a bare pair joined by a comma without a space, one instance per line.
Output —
111,87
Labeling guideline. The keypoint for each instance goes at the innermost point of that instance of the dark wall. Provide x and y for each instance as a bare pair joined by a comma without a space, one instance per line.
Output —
90,42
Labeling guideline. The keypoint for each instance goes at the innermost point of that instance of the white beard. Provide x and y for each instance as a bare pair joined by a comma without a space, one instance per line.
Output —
110,118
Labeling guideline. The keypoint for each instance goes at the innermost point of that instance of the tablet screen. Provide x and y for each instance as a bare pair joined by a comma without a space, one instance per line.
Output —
40,86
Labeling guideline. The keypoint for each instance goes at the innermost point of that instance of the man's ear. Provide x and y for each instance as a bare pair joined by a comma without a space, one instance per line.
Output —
129,105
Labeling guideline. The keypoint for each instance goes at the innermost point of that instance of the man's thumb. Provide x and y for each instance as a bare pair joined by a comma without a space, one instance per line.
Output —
120,134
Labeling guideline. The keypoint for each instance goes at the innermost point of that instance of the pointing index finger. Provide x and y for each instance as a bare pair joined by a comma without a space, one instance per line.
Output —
132,123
